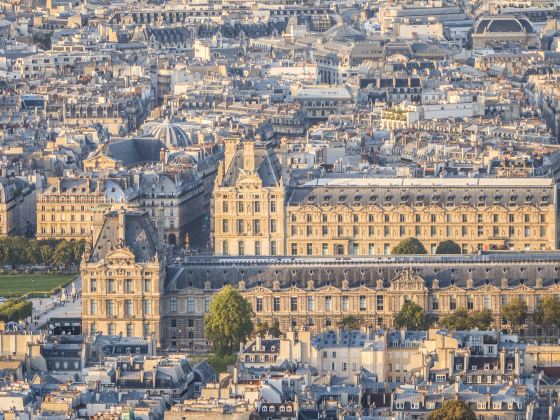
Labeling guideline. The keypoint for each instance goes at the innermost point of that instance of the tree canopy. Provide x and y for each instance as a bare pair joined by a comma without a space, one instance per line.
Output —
453,410
409,246
463,320
350,322
515,313
228,321
16,251
448,247
547,314
411,317
263,328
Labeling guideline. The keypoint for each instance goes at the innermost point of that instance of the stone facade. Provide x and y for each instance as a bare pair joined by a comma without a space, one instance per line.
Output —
74,208
17,207
248,201
121,278
317,293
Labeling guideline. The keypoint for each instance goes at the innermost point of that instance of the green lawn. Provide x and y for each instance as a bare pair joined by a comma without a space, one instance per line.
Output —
19,284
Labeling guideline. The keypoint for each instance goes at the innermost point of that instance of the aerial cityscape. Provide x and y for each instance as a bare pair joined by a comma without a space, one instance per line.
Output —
279,209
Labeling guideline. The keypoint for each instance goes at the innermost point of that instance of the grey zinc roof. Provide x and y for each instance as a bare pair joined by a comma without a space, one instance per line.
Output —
518,267
441,192
267,166
135,151
139,236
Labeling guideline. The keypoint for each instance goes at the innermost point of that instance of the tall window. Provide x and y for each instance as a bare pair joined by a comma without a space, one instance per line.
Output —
93,307
241,248
190,304
147,304
293,304
310,303
111,329
273,206
92,328
225,226
276,304
273,248
225,250
93,285
128,307
129,330
110,286
379,303
172,304
147,285
345,303
362,303
259,305
257,247
328,303
207,300
110,307
128,286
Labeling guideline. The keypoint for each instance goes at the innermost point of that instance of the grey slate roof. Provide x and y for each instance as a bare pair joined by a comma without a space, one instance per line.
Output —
139,236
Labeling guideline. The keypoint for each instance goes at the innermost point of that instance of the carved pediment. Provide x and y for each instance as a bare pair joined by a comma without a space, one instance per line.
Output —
329,289
489,288
407,280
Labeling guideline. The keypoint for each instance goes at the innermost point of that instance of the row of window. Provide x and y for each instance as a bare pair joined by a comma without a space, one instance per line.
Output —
417,218
241,226
127,285
403,231
190,304
243,206
111,330
257,250
328,303
128,307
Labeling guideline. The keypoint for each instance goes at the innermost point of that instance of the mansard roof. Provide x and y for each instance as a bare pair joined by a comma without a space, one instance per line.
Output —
521,269
425,192
267,166
132,230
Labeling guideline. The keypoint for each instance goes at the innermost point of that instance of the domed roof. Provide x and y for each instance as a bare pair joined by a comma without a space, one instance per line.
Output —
167,132
501,24
343,32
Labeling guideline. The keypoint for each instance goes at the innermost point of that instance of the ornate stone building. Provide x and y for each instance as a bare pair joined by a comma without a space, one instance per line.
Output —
357,216
18,207
74,208
317,293
370,216
248,201
121,278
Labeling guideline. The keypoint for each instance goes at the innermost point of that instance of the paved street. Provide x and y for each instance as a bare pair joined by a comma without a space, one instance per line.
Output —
46,308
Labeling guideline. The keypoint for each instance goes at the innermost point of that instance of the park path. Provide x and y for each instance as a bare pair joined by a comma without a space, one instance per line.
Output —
52,307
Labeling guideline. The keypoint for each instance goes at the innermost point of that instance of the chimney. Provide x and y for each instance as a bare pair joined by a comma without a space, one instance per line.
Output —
230,145
249,156
258,342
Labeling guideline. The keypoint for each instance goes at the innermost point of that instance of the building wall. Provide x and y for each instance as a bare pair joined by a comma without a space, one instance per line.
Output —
120,296
19,213
373,230
323,308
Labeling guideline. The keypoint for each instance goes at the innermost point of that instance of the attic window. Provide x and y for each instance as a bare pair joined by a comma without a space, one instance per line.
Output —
342,198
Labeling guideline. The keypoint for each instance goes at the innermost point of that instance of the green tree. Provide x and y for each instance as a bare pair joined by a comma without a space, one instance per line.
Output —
350,322
547,314
274,330
515,313
63,254
46,254
409,246
411,317
448,247
481,319
453,410
457,321
463,320
228,321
